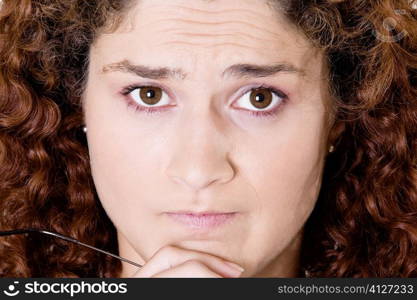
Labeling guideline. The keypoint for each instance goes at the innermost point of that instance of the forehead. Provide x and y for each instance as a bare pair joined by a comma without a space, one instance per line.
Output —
192,34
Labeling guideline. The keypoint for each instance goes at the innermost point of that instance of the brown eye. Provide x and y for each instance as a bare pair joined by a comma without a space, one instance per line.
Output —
150,95
261,97
261,100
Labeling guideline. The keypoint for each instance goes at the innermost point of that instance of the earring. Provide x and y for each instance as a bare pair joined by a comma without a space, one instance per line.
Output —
331,149
85,128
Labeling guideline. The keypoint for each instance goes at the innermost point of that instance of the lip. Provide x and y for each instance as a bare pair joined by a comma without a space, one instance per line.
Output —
202,220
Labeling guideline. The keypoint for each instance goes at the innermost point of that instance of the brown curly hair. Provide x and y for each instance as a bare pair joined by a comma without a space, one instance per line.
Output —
365,220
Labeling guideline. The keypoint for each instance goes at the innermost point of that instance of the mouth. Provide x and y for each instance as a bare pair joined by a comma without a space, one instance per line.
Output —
203,220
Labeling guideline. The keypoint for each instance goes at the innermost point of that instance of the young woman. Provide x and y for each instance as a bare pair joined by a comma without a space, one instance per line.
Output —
209,138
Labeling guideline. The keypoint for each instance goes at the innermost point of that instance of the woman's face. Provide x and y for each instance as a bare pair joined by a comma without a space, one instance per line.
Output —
209,145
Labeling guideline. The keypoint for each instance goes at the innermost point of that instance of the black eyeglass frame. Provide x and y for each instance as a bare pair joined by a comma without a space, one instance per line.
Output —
54,234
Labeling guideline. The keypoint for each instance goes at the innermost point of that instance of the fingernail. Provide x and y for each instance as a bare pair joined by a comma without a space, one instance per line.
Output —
235,266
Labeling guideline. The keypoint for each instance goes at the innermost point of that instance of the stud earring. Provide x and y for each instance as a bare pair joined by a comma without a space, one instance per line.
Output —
85,128
331,149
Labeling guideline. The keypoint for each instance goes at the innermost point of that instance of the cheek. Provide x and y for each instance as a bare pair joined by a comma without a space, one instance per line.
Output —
120,157
285,190
286,175
285,170
125,167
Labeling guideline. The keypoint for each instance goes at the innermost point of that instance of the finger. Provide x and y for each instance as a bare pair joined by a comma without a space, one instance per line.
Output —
188,269
171,256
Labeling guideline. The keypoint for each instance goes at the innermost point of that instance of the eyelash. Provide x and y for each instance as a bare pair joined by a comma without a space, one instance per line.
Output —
259,114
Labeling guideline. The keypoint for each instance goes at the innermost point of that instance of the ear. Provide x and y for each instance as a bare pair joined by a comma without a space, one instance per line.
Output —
335,132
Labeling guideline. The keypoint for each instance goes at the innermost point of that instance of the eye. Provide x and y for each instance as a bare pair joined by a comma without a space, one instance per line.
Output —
145,98
262,101
149,96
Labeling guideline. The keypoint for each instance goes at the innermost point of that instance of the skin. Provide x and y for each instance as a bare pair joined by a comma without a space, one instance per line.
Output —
204,152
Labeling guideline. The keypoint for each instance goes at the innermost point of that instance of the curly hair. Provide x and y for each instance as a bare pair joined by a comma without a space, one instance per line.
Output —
365,221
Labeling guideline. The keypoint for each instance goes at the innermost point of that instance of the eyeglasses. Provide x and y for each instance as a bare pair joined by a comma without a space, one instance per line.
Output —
31,230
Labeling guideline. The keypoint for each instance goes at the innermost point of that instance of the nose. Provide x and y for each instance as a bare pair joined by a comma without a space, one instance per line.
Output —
201,155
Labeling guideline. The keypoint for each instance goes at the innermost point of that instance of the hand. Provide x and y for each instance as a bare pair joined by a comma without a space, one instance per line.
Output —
172,261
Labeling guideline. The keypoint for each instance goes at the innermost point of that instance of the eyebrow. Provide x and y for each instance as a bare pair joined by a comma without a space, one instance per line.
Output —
237,70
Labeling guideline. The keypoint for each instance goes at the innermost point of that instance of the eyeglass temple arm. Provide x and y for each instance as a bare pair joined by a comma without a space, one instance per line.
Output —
30,230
